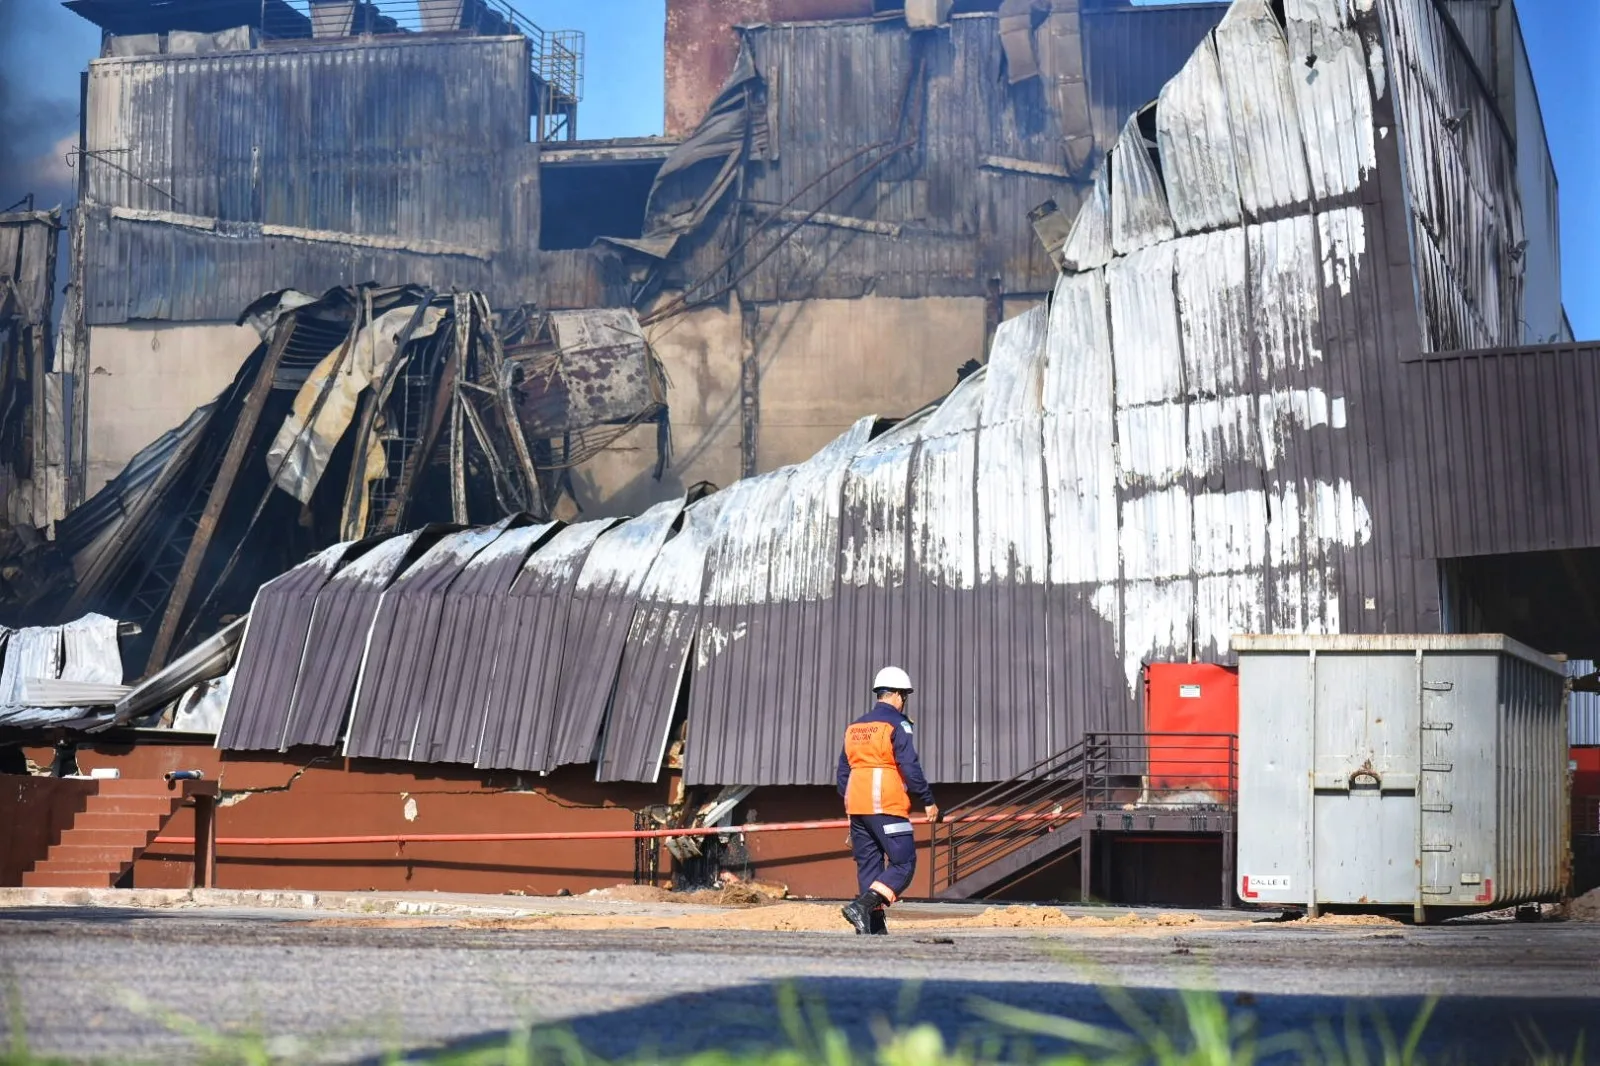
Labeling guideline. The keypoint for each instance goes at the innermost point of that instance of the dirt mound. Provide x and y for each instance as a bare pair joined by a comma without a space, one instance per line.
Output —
632,894
1586,908
1018,918
1346,919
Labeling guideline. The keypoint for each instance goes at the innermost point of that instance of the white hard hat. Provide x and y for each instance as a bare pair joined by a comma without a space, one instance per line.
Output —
892,678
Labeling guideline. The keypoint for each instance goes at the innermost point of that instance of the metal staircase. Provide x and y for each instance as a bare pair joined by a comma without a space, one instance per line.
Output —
1135,783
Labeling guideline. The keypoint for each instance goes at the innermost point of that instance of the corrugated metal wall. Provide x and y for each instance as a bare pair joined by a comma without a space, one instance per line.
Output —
1504,473
1461,175
27,244
1492,34
959,200
1583,708
408,139
213,179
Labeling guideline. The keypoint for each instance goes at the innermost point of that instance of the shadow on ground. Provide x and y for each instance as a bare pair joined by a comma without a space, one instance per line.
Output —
749,1017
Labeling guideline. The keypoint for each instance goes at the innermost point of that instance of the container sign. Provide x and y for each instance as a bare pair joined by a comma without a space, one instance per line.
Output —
1254,885
1189,692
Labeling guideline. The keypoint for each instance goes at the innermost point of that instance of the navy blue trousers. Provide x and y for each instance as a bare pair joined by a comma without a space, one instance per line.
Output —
885,851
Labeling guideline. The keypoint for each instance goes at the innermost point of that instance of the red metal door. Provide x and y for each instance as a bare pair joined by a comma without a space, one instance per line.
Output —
1191,698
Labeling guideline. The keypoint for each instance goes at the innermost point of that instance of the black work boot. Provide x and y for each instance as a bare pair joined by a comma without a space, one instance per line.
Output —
879,925
858,912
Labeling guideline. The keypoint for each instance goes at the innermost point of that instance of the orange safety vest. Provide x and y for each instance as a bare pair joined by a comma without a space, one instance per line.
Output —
876,786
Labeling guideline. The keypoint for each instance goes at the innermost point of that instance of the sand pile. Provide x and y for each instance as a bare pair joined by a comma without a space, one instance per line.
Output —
1586,908
1346,919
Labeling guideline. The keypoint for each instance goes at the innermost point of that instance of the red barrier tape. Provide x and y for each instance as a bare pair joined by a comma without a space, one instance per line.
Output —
596,834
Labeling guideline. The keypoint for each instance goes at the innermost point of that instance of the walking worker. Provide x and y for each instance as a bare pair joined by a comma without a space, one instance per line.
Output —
878,776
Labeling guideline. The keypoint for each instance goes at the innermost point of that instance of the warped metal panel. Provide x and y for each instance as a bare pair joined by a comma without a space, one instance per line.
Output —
603,600
655,657
1196,144
1011,630
337,638
987,152
1334,107
1461,170
84,650
451,706
1129,53
1271,157
519,715
269,656
1139,215
765,633
402,645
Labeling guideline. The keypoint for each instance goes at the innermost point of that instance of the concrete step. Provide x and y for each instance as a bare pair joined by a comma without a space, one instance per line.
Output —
40,878
91,856
133,836
117,820
55,877
135,787
152,805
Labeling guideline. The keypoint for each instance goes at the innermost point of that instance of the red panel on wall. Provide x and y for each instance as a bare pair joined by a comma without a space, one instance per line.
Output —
1191,698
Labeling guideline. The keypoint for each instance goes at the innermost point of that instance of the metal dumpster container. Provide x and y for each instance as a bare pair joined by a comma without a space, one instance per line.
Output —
1412,775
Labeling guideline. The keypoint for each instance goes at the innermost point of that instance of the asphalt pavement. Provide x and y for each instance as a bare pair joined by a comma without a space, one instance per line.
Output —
115,984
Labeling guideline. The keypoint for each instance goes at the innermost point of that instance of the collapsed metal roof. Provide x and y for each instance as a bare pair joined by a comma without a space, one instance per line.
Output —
80,654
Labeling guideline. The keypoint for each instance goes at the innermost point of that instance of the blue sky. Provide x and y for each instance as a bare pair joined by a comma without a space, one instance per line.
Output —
624,97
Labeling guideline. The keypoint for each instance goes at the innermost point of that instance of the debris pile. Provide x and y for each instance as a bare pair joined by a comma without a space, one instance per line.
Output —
362,412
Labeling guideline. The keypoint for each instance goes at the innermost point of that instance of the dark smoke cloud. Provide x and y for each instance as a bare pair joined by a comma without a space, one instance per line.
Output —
42,46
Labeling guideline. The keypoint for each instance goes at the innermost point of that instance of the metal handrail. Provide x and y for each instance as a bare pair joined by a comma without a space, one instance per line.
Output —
1122,762
1045,794
1034,772
557,56
1095,774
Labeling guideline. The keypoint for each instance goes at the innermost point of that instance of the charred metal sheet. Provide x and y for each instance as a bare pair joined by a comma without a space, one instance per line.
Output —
85,527
519,715
340,621
947,222
1460,166
603,601
402,645
207,661
27,264
182,231
83,651
450,709
600,370
766,634
272,648
655,656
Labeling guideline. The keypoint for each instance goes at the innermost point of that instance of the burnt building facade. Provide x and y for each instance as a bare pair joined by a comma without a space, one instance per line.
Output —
220,163
1221,422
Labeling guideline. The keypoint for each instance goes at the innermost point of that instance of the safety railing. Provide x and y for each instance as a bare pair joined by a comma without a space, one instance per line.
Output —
557,55
1586,815
1006,817
1161,771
